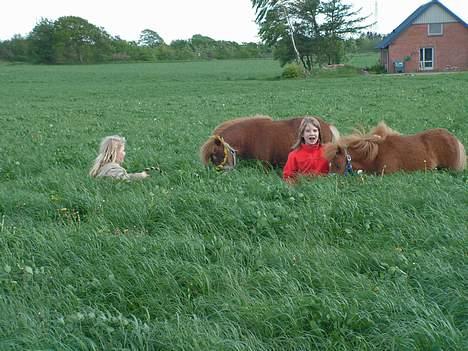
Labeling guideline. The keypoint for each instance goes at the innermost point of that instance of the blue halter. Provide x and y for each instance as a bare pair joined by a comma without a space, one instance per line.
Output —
348,166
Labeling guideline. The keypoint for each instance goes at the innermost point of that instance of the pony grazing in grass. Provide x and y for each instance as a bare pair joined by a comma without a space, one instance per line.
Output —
383,150
258,138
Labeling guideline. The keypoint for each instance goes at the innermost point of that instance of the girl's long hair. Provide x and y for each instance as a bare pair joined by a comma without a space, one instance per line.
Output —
108,152
305,122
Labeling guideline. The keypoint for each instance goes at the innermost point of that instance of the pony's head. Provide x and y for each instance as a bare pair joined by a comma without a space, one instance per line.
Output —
340,160
358,150
352,153
219,153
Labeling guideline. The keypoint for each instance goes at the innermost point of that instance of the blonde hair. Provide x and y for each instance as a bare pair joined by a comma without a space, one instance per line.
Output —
108,152
300,132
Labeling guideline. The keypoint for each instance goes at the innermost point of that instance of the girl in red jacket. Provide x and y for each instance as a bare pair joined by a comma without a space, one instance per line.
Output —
307,155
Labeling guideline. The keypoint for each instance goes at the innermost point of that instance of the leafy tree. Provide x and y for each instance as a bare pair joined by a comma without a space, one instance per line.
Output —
340,20
182,49
122,50
307,31
42,42
149,38
205,47
277,22
367,41
15,49
165,52
78,41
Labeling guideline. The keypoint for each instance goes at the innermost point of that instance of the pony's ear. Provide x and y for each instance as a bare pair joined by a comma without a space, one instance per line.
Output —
217,142
330,150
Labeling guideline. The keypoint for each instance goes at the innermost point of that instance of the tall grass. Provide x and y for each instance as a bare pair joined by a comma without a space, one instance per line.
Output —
192,259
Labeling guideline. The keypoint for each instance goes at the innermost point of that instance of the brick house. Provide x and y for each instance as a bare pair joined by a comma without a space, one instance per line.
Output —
432,38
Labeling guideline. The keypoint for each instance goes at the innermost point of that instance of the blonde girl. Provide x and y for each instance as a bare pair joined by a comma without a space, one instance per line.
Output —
108,162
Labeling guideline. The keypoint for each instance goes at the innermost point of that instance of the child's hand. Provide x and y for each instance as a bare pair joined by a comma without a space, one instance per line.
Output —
153,168
144,174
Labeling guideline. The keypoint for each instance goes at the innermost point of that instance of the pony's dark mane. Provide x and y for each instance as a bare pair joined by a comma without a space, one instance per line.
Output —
225,125
367,144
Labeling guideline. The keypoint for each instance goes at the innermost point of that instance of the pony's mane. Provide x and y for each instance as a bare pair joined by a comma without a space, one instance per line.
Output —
383,130
367,144
223,126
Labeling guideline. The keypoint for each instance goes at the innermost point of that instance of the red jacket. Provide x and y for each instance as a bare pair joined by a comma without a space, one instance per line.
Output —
306,160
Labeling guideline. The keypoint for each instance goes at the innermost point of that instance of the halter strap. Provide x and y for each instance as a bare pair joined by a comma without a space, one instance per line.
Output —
348,166
226,148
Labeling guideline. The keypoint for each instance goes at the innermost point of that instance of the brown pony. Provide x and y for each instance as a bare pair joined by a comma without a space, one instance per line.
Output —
259,138
383,150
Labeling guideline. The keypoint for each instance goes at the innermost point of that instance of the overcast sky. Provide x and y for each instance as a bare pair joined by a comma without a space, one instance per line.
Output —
180,19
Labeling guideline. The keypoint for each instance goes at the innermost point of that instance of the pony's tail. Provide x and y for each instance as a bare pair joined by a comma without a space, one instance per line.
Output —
461,164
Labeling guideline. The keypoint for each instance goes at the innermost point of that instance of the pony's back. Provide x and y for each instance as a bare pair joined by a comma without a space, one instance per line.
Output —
241,121
261,138
385,149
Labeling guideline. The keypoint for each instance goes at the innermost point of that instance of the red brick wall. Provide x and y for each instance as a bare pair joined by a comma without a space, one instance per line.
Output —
450,49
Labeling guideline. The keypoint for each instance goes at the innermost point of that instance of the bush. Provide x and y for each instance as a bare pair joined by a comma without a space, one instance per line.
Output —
292,70
377,68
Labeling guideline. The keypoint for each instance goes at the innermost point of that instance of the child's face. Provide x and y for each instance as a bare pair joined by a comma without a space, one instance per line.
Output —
311,134
121,154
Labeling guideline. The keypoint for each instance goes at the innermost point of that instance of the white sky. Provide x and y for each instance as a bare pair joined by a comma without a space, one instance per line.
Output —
180,19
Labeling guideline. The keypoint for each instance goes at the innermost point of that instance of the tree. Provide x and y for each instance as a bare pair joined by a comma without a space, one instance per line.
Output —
340,21
182,49
276,21
78,41
203,46
15,49
306,31
149,38
42,40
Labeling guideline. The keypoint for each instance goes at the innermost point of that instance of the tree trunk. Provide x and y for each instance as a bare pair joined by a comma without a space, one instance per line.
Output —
291,34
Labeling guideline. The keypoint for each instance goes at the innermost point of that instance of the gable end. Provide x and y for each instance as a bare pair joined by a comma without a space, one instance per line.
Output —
435,14
431,12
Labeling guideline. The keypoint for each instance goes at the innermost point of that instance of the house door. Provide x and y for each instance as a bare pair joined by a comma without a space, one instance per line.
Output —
426,59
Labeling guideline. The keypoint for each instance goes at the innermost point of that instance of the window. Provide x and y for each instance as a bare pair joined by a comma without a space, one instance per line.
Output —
426,59
435,29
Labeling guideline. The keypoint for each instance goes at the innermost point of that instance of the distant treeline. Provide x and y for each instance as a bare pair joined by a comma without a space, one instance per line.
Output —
73,40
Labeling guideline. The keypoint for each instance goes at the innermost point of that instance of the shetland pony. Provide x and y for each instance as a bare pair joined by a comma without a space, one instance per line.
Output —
259,138
383,150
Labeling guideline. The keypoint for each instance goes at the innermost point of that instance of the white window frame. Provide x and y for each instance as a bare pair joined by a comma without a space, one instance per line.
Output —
423,61
429,33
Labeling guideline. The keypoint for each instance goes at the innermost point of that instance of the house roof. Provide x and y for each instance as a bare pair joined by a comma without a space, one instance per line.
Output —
411,18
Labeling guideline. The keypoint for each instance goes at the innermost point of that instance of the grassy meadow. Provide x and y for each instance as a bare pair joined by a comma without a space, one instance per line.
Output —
363,60
193,259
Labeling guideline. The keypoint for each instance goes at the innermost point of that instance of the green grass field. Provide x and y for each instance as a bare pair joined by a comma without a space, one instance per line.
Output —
192,259
363,60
